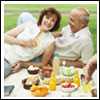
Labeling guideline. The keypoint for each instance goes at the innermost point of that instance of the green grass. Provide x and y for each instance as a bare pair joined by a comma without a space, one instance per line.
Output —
39,7
11,20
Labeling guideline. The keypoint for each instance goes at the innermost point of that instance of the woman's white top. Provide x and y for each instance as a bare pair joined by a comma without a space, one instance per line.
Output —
15,53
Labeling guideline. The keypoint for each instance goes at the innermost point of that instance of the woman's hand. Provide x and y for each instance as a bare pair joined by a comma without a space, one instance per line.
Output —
16,67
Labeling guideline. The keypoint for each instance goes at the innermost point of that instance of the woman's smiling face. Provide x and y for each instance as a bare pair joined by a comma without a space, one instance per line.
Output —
48,22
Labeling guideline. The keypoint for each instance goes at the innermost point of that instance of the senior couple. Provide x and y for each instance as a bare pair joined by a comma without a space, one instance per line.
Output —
32,40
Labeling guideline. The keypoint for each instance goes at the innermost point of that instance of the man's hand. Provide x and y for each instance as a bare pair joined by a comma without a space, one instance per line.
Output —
88,76
57,34
90,68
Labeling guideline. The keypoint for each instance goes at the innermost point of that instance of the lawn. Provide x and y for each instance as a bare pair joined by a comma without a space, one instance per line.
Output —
39,7
12,12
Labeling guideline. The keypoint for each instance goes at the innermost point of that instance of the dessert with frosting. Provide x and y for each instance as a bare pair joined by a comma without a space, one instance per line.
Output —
33,69
27,82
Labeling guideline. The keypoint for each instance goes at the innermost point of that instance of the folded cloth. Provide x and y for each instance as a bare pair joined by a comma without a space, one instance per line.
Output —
7,68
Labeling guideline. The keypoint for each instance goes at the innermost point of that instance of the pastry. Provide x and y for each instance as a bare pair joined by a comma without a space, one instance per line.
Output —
26,86
33,70
27,82
39,90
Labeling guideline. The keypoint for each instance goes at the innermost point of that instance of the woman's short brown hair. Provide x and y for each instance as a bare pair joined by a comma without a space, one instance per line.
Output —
52,11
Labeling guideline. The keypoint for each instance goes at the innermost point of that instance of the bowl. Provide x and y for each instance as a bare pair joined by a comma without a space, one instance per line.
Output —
69,87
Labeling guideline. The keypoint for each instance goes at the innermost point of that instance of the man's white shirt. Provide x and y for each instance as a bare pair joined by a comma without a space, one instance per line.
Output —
73,46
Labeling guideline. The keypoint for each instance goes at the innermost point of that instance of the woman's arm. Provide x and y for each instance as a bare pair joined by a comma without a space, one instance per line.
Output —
47,55
10,36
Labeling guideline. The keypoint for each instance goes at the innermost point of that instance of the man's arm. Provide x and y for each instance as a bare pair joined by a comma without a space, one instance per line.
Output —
90,68
75,63
48,54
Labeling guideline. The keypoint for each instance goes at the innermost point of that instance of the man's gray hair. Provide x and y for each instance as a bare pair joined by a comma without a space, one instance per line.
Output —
85,14
86,18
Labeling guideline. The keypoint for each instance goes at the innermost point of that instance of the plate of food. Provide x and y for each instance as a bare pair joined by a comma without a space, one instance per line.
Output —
68,87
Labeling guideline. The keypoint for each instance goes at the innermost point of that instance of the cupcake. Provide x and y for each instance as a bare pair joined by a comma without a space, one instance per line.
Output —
26,86
33,70
27,82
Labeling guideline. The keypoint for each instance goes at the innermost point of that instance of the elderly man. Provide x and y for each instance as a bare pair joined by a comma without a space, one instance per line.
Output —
75,46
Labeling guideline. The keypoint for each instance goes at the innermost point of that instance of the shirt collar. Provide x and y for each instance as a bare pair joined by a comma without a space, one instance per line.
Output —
82,32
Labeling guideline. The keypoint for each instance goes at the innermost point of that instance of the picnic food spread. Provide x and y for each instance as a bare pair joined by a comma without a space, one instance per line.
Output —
69,81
